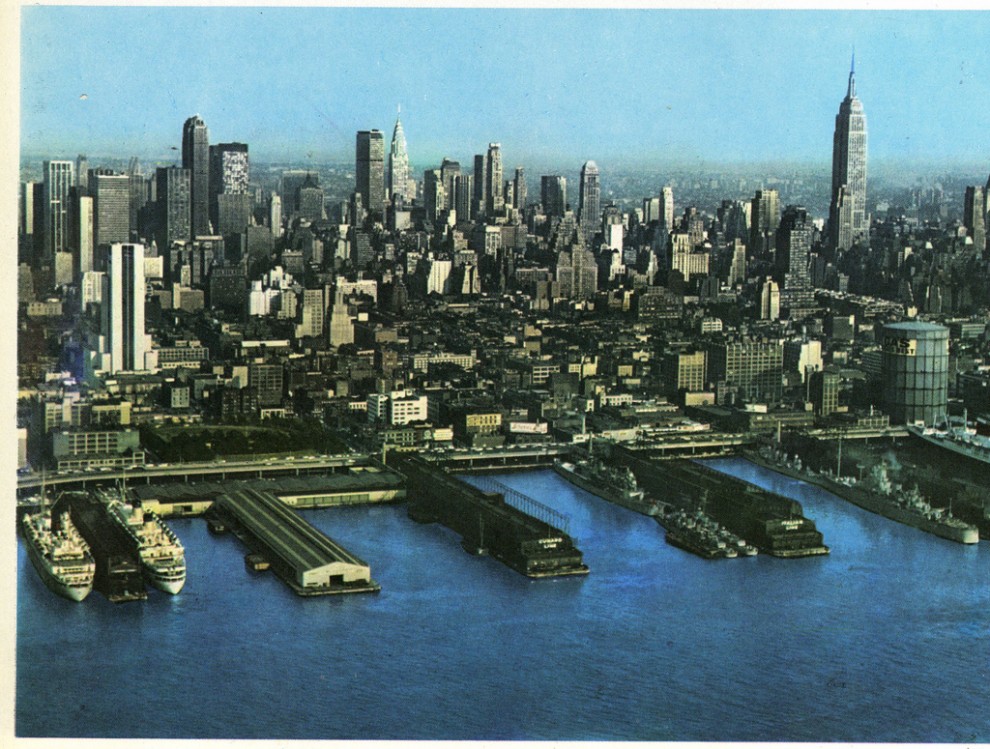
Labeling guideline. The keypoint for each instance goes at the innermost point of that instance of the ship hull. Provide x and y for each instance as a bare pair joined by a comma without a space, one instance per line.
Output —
52,582
611,495
166,584
871,503
948,444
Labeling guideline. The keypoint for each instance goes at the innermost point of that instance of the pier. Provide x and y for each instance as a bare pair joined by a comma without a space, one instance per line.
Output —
773,523
118,570
488,523
306,559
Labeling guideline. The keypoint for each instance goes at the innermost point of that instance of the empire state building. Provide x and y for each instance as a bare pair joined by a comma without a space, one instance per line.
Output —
848,221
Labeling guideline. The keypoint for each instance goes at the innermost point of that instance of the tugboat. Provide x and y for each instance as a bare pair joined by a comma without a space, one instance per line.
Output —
162,557
60,555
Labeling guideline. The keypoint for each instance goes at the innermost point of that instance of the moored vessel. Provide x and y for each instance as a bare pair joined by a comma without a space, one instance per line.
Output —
162,557
878,494
59,554
615,484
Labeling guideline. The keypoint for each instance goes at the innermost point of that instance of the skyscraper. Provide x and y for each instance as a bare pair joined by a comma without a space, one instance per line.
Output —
111,195
370,170
520,188
667,209
398,164
449,172
589,209
230,199
847,212
59,177
196,158
480,180
174,206
123,307
553,194
494,199
974,216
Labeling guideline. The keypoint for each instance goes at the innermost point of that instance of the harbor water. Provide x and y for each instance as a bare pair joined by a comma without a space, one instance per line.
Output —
884,640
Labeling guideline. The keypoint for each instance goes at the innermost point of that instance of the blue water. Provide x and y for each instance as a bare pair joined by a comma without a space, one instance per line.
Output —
886,639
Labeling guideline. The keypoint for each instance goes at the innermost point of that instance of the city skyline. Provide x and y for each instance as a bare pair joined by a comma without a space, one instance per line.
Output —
584,91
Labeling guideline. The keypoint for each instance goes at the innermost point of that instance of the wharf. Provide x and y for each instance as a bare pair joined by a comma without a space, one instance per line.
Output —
487,523
364,484
774,524
306,559
118,569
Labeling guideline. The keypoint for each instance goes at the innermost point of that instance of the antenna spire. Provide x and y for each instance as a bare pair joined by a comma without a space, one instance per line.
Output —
852,75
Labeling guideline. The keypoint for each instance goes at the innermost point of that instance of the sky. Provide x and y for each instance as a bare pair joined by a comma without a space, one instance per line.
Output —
617,86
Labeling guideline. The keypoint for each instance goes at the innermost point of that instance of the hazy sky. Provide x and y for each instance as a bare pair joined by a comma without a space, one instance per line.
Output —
617,86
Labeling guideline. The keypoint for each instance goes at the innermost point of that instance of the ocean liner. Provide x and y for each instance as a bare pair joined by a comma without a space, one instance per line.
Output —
162,557
60,555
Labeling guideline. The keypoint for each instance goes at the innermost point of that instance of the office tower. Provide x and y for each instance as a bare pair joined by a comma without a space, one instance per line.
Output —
196,159
59,177
914,372
111,195
765,213
230,200
433,194
449,172
138,192
754,368
794,248
82,171
275,215
520,188
463,196
847,213
82,231
684,371
577,273
494,200
803,355
341,323
553,194
123,308
823,388
31,221
291,181
666,209
370,170
480,180
174,191
589,208
398,165
309,200
974,216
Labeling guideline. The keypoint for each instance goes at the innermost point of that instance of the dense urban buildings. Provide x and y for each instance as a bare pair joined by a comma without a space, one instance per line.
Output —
421,300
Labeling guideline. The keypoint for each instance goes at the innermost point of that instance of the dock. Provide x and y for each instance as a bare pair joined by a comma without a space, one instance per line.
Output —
118,569
306,559
488,524
773,523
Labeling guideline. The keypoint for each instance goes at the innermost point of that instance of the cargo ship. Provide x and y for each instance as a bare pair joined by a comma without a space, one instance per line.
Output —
617,485
60,555
878,494
163,560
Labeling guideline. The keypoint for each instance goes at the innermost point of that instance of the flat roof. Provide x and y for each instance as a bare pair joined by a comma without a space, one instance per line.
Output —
299,544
